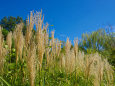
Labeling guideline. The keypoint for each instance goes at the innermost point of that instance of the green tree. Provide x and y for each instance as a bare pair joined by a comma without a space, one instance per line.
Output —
10,22
102,41
4,32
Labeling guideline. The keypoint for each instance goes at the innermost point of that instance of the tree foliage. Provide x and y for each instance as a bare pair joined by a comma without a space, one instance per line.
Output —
9,23
102,41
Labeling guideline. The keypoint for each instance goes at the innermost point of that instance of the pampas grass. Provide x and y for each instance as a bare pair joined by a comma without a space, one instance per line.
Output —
33,50
40,38
31,58
19,41
1,51
9,40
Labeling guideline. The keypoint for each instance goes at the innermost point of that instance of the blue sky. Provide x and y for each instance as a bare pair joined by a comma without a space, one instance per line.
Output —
70,18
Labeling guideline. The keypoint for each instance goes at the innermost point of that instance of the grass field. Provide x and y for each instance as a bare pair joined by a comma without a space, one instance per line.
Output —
35,59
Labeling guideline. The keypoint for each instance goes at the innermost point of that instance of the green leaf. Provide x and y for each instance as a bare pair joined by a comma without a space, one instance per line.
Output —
11,65
5,81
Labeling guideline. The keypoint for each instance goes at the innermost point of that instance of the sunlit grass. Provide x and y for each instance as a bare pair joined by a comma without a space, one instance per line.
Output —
35,60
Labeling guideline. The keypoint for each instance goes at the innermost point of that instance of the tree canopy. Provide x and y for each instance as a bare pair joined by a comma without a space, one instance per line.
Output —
8,24
102,41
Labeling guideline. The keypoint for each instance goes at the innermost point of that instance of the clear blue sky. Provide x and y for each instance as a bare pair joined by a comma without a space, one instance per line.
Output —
70,18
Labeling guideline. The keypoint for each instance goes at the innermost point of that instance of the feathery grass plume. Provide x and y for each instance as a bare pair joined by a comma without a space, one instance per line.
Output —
3,51
72,61
51,54
56,47
41,48
89,62
67,46
1,42
109,73
48,55
31,55
9,40
19,41
67,54
53,44
80,63
22,41
46,34
97,69
47,48
30,23
68,62
40,38
62,61
76,47
76,54
101,70
46,42
39,20
59,48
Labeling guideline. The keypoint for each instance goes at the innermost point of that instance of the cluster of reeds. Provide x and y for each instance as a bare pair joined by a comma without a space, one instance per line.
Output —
90,65
1,50
33,48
